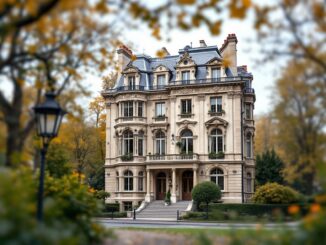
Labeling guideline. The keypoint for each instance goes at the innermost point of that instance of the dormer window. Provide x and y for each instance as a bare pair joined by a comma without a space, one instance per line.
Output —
131,82
161,81
185,77
216,73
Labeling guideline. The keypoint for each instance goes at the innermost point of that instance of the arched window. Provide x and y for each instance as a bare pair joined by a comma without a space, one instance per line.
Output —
187,141
117,181
128,181
141,181
140,143
249,182
217,177
249,144
216,141
128,143
160,143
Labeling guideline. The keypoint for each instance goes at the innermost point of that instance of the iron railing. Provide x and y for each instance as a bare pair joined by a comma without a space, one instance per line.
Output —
169,157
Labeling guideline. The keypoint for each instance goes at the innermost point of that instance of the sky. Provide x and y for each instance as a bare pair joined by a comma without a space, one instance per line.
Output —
248,51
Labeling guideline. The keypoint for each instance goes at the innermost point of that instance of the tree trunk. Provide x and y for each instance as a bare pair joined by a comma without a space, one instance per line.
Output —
14,145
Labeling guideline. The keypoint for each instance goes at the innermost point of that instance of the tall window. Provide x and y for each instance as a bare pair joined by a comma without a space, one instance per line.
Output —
248,111
249,144
185,77
128,143
128,181
186,106
140,108
127,206
160,109
216,104
161,81
160,143
117,181
216,73
216,138
217,177
187,142
249,182
141,143
141,181
128,108
131,83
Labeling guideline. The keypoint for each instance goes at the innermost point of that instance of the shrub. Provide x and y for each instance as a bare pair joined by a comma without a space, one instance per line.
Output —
214,155
112,207
168,197
68,210
127,157
206,192
273,193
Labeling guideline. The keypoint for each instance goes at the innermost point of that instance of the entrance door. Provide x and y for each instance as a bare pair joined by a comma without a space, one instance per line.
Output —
187,184
160,186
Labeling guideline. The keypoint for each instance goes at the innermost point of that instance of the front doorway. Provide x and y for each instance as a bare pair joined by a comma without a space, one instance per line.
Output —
187,184
160,186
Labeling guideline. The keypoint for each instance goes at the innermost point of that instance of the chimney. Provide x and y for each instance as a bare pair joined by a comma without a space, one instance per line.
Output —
124,57
229,52
166,52
202,43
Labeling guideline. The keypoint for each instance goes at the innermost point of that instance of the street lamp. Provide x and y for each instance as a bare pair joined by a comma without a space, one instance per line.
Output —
48,120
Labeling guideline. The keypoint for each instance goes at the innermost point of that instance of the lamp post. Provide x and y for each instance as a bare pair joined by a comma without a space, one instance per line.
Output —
48,120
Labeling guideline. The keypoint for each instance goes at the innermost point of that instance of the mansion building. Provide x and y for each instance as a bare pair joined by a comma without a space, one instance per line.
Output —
176,121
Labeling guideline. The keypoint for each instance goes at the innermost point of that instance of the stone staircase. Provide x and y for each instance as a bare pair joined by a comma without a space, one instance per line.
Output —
157,210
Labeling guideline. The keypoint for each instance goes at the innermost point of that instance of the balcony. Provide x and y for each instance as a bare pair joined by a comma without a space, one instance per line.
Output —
249,91
130,119
186,115
207,81
160,118
173,157
135,88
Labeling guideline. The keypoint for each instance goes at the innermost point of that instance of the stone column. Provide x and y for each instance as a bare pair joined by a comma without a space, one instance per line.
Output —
195,176
148,187
173,194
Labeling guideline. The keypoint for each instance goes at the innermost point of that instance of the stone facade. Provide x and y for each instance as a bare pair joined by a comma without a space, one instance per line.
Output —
177,121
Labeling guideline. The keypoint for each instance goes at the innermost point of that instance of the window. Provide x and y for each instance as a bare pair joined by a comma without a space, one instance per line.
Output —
216,104
141,181
249,181
160,81
128,143
217,177
185,106
216,73
249,145
140,108
185,77
128,181
131,83
160,143
128,108
127,206
160,109
117,181
187,142
140,143
247,111
216,141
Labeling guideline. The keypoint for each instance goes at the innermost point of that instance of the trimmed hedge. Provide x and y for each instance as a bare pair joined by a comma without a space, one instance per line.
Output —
253,209
111,207
115,215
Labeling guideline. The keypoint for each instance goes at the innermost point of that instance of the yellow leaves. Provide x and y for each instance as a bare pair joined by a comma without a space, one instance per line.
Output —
215,28
32,48
186,2
133,57
293,209
226,62
38,84
32,6
156,33
239,8
102,7
160,53
71,71
20,81
319,10
315,208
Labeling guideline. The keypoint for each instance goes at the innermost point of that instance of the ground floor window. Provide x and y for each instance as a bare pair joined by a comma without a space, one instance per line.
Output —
127,206
141,181
217,176
249,182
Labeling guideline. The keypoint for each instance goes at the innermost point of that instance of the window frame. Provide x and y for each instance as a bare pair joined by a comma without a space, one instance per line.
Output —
131,82
216,137
160,105
128,108
188,106
249,152
218,73
185,79
159,81
140,109
217,175
160,147
128,180
218,107
141,181
127,140
185,140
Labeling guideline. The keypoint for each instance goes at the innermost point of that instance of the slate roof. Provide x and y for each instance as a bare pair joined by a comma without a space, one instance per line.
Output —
200,55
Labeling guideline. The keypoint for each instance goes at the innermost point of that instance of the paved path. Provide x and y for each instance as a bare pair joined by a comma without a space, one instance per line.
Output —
124,223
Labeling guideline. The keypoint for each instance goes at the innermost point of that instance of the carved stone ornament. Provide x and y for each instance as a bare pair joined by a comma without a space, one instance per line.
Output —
186,123
216,121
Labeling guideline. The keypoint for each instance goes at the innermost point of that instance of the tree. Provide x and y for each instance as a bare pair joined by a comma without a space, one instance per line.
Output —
57,161
269,168
206,192
301,116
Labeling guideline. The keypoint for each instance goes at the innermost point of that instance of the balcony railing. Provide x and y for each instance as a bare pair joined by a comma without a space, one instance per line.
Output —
171,157
181,82
161,118
129,119
249,91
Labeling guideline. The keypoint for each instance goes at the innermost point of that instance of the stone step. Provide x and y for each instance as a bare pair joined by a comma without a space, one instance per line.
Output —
157,209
